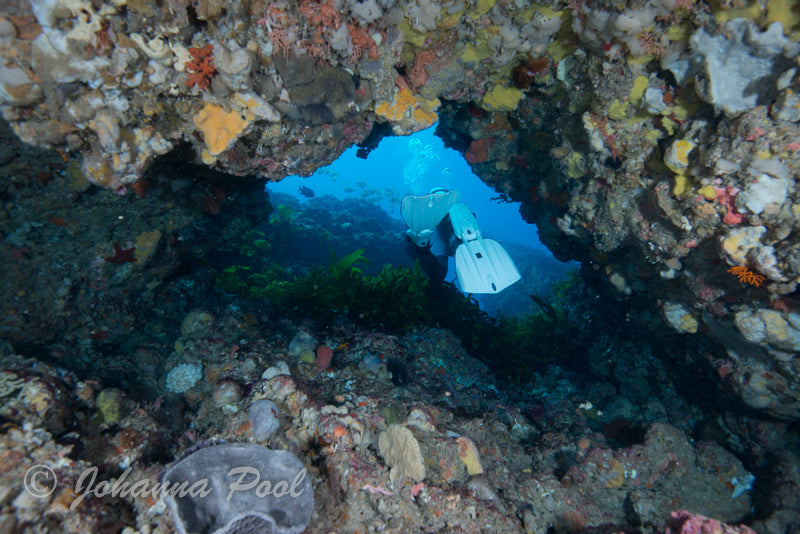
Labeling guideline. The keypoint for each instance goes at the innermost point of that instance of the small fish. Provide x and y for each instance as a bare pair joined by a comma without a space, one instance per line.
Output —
306,191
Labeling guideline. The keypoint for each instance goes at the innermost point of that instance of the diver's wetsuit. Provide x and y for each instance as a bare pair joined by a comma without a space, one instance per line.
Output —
434,265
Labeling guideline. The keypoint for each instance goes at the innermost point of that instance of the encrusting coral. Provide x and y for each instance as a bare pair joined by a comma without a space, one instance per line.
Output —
201,67
407,113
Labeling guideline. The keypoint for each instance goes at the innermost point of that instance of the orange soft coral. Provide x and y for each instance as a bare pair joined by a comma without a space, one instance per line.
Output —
747,276
201,67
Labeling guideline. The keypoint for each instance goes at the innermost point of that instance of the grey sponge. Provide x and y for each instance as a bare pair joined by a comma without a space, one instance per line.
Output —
239,488
250,523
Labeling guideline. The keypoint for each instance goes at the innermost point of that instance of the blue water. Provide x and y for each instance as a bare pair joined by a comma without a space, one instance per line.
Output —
413,165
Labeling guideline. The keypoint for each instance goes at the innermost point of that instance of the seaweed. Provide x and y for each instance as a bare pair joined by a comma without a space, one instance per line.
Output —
398,299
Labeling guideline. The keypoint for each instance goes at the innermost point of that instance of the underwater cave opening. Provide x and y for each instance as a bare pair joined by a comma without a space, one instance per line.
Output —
356,201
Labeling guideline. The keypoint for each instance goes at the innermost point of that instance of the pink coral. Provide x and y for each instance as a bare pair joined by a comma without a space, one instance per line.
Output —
684,522
726,196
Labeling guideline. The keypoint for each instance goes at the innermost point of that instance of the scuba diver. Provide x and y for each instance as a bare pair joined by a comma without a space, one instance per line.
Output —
482,265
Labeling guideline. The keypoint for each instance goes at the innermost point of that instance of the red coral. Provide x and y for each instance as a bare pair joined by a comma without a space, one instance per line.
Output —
139,188
122,255
20,253
316,45
781,305
478,151
324,357
475,111
201,67
520,161
418,74
525,74
276,17
212,202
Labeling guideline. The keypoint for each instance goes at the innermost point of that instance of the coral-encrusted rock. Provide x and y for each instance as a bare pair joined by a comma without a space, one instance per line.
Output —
726,65
704,477
617,163
771,328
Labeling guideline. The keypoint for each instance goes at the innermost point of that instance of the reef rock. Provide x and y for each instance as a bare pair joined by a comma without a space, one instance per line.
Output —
638,143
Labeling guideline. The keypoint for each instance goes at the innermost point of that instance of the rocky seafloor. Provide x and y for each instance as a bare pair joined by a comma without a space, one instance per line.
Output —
654,139
618,446
614,423
657,142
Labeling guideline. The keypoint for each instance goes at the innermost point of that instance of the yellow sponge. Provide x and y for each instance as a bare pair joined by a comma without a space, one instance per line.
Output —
502,98
407,111
468,453
219,128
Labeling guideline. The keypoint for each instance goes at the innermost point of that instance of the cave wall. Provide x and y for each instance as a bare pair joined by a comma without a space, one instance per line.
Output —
654,140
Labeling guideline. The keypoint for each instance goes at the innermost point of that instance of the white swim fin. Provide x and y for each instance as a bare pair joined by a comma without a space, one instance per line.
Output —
482,265
422,214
